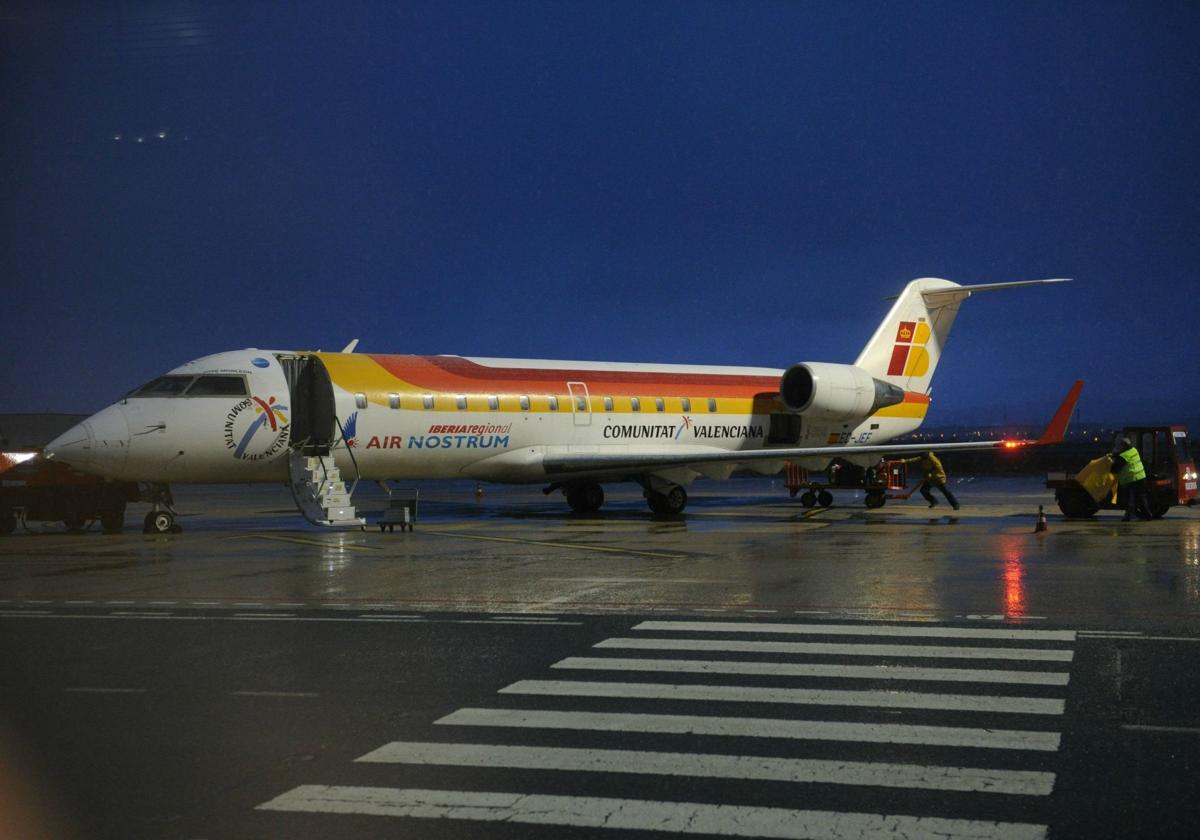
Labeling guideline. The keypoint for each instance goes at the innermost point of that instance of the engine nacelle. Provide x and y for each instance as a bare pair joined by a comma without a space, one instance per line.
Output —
835,392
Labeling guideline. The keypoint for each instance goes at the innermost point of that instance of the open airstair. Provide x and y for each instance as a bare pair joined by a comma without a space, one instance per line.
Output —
319,491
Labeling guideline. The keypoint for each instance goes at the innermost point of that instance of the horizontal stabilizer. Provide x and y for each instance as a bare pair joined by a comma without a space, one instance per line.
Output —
940,297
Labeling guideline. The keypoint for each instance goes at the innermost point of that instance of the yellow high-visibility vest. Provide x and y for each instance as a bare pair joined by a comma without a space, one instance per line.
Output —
1133,469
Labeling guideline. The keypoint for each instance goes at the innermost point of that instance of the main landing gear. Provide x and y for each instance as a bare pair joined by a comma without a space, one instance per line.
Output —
161,518
584,496
670,502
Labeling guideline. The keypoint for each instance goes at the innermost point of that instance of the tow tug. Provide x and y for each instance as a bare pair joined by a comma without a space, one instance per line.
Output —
1170,475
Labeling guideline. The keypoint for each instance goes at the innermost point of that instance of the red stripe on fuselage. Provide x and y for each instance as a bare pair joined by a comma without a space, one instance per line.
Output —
456,374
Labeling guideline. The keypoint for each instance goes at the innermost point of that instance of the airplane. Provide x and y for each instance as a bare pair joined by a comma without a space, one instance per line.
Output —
308,418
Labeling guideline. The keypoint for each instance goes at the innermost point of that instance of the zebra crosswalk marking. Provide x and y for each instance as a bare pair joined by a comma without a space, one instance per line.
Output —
877,733
707,765
850,649
808,669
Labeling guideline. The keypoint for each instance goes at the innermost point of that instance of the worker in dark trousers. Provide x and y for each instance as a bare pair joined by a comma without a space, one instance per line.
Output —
1131,474
935,476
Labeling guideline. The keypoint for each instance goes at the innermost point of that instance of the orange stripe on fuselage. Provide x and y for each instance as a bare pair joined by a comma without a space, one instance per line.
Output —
914,405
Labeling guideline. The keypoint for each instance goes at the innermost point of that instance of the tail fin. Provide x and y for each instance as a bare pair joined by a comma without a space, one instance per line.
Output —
908,344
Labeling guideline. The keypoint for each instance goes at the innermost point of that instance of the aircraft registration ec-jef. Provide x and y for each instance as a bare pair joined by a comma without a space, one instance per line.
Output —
308,418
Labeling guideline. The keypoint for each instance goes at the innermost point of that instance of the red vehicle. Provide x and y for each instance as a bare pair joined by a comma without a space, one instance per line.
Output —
1170,475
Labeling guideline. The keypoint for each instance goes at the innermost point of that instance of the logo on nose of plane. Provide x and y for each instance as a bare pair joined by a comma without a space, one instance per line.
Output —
244,422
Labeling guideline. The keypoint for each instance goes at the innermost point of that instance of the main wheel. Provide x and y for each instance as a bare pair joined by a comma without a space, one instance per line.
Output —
1075,502
670,503
825,499
876,499
159,522
808,498
112,518
585,497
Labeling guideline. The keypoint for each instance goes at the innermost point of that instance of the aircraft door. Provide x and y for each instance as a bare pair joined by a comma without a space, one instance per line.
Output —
581,403
312,403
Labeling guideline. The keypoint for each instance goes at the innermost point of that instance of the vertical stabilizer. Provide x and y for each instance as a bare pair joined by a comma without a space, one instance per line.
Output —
906,347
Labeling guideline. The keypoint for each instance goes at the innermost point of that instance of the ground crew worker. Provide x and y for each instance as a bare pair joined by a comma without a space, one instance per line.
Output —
1131,474
935,476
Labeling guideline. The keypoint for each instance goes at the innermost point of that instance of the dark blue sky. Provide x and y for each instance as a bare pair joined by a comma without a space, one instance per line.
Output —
730,182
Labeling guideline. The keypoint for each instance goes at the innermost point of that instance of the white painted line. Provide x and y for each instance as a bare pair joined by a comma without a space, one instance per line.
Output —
391,615
637,814
335,606
1185,730
811,612
120,603
876,733
78,602
141,614
264,615
758,768
97,690
206,603
908,630
274,694
15,613
378,606
248,604
1149,638
1111,633
796,696
161,603
859,649
291,604
764,612
511,622
797,669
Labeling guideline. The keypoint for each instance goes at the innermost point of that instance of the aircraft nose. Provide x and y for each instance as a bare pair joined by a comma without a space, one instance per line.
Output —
98,445
74,446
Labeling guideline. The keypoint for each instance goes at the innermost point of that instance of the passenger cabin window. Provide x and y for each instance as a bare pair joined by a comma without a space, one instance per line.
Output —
712,406
164,386
427,401
393,400
687,404
581,404
494,403
461,402
635,404
524,403
213,385
608,404
659,405
360,400
553,401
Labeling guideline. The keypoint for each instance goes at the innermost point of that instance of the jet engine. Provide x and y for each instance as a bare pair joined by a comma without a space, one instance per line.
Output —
835,392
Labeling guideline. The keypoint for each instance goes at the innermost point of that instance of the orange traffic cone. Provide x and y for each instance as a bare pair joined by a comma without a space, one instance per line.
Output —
1041,522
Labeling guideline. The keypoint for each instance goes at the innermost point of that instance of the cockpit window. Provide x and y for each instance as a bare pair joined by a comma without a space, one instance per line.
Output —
218,386
164,386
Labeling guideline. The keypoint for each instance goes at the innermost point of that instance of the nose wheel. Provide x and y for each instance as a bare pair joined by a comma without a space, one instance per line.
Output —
160,520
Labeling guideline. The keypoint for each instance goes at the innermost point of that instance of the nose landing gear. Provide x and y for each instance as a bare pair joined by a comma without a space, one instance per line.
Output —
161,519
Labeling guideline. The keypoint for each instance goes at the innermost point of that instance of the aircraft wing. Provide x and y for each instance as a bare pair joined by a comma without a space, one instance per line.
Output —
632,461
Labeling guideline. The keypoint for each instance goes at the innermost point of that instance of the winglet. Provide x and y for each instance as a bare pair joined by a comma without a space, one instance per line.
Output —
349,348
1058,424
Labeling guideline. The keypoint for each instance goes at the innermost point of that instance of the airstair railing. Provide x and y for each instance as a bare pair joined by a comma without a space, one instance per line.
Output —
350,450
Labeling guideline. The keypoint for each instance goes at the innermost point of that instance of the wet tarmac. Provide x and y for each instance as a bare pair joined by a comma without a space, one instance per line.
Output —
512,670
741,545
